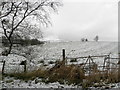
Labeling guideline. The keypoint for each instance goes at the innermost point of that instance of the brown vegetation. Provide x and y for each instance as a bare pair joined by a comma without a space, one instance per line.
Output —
70,74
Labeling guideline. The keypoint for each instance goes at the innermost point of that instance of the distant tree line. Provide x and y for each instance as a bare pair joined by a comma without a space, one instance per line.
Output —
20,41
95,39
84,39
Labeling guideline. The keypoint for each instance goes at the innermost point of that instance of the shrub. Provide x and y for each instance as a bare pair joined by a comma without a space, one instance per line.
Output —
19,40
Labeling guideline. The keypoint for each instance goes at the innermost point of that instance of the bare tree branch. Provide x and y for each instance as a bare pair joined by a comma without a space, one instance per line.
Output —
5,32
8,12
13,18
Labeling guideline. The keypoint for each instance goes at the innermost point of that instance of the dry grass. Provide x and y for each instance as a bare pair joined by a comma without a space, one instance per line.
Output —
101,78
29,75
113,76
70,74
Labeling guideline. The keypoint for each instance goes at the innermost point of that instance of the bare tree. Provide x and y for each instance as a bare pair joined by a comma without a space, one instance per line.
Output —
82,39
17,16
96,38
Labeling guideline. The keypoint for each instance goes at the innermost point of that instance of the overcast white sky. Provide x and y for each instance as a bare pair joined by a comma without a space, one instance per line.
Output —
85,18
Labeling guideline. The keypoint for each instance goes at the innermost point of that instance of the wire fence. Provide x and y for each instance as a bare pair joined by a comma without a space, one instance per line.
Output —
88,63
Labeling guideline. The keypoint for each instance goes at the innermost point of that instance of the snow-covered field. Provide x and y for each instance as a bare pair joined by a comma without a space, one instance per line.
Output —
52,52
74,49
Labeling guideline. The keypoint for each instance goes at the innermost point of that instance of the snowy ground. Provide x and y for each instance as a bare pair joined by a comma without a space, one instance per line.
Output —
52,52
12,83
32,84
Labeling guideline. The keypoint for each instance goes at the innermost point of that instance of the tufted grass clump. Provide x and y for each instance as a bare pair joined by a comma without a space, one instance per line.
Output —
72,74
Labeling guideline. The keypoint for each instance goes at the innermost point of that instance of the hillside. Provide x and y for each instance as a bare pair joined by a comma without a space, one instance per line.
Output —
44,56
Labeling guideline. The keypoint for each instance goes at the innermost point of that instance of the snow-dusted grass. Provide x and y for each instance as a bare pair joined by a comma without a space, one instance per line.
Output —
65,75
12,83
51,52
75,49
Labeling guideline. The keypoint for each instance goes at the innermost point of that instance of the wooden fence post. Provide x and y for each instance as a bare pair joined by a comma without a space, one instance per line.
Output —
119,68
25,64
25,69
63,54
3,67
89,66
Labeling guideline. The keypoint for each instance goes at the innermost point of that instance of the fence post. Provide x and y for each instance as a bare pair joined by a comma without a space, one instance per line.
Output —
119,68
63,54
104,64
25,69
3,67
89,66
